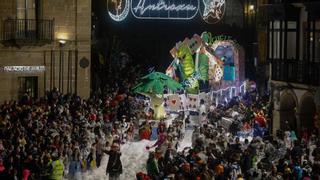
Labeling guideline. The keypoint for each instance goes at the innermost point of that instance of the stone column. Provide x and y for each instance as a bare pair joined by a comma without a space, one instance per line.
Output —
318,114
298,123
275,121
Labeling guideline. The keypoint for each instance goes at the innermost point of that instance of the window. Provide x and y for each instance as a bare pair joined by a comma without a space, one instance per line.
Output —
283,40
312,43
28,28
292,25
27,22
26,9
276,40
291,45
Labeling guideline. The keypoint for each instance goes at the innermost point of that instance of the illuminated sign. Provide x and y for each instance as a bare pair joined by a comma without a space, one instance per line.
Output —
212,11
164,9
23,68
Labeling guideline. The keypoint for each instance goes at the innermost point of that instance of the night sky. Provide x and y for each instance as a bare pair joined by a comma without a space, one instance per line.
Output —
151,40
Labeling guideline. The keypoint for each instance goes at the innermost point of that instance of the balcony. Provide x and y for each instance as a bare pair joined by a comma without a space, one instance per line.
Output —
27,32
296,71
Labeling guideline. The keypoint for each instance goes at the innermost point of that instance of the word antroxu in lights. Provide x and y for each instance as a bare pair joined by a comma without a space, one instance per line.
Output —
212,11
164,9
117,10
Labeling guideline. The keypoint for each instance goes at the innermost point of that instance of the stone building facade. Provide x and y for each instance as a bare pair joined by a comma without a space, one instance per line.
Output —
44,44
293,51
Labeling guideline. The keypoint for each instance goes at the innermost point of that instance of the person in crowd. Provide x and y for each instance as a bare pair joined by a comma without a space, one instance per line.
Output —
152,167
75,166
56,166
114,167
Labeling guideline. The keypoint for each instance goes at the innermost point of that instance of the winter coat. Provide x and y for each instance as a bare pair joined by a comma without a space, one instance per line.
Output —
218,169
246,163
152,168
57,170
114,163
297,172
74,167
205,175
236,170
316,154
25,174
296,152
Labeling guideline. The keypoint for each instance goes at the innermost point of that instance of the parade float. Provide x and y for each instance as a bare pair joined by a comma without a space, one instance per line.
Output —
207,63
205,70
208,68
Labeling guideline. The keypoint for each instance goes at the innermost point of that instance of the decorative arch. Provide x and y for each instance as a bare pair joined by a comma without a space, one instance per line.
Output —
287,99
307,110
288,106
237,61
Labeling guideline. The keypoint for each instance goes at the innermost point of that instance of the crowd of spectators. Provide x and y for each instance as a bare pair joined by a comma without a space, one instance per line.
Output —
61,135
227,152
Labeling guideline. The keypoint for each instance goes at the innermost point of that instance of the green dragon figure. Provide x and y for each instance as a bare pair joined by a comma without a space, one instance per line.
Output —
188,67
186,59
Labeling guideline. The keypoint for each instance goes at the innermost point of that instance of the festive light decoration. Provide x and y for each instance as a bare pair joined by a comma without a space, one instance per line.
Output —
232,90
121,10
240,89
164,9
212,11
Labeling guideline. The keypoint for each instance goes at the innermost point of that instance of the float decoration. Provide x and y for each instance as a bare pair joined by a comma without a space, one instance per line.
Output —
205,62
153,85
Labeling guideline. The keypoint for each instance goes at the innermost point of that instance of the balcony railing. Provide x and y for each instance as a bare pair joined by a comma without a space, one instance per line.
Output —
296,71
28,31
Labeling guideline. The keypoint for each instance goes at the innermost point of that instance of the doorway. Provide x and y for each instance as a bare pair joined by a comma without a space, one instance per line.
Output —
307,112
29,85
288,106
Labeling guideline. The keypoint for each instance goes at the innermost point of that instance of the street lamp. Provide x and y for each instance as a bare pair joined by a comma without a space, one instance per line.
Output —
251,7
62,42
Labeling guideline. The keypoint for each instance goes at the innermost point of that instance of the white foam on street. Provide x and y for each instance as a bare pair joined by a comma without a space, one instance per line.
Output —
134,157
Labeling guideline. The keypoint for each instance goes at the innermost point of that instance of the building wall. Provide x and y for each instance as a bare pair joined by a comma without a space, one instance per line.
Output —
232,15
72,22
293,87
294,103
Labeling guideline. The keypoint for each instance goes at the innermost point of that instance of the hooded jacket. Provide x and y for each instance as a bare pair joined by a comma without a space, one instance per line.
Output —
114,163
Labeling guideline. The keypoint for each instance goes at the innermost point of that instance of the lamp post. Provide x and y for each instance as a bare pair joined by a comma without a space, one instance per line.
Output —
62,43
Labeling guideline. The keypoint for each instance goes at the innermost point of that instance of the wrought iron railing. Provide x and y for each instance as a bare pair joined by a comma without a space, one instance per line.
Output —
296,71
28,30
